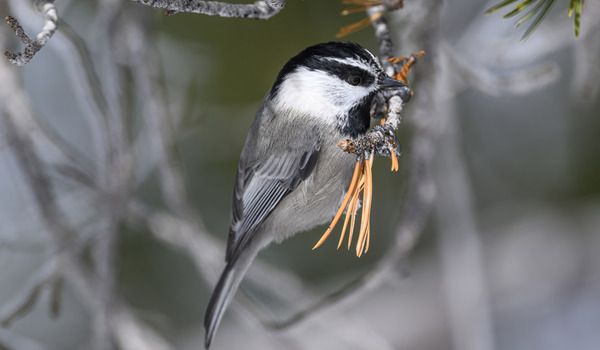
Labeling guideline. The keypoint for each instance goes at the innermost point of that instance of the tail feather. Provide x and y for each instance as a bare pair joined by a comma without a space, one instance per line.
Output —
224,291
219,300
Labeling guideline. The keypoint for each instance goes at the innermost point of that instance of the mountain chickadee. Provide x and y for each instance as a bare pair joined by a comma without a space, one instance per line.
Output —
292,175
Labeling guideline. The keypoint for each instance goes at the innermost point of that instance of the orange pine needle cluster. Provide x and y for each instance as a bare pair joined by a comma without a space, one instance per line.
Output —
358,6
357,26
362,181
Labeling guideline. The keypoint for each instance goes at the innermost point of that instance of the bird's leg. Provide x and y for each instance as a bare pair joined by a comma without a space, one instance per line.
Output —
408,62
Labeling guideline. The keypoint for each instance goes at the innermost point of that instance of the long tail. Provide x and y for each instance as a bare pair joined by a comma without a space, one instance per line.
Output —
221,297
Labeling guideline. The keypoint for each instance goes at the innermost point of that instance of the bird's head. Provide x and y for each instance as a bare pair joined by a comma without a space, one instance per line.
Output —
334,83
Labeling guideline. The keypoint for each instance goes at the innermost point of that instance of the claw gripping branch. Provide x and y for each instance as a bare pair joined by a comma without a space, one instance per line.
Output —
379,140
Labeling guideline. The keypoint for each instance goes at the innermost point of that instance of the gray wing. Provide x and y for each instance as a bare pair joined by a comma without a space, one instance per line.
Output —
266,174
260,189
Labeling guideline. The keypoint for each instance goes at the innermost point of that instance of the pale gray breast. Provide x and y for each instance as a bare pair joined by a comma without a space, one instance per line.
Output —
316,199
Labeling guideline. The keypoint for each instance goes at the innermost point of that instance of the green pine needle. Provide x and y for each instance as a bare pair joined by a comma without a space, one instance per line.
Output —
520,7
536,12
575,7
538,19
526,17
499,6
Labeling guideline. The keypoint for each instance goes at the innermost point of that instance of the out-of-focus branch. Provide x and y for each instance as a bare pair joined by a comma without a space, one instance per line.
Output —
27,298
35,175
15,118
514,82
157,116
87,88
182,235
13,341
33,46
459,242
116,181
123,326
262,9
191,239
131,334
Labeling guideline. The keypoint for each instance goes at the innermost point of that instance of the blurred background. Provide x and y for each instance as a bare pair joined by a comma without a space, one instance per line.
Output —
113,235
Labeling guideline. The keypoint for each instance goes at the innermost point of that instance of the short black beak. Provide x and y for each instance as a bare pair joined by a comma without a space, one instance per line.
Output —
391,83
404,91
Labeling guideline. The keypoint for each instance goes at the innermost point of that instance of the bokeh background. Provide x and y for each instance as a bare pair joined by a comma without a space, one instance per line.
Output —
139,119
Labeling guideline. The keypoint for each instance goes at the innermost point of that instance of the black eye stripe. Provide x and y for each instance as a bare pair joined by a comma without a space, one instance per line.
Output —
313,57
342,71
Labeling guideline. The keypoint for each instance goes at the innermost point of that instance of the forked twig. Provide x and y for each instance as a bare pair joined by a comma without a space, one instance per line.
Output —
32,46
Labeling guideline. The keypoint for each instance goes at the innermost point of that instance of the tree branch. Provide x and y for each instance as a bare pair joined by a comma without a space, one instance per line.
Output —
131,334
13,341
33,46
263,9
27,298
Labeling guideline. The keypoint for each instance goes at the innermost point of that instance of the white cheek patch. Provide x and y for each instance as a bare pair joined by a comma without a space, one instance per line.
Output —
318,95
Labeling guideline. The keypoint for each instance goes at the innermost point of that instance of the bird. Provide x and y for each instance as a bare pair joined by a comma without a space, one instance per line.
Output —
291,175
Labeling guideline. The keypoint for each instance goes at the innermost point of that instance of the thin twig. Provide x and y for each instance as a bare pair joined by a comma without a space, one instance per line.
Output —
33,46
262,9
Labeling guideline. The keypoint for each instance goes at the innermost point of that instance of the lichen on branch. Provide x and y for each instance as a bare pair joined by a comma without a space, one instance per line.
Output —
32,46
262,9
